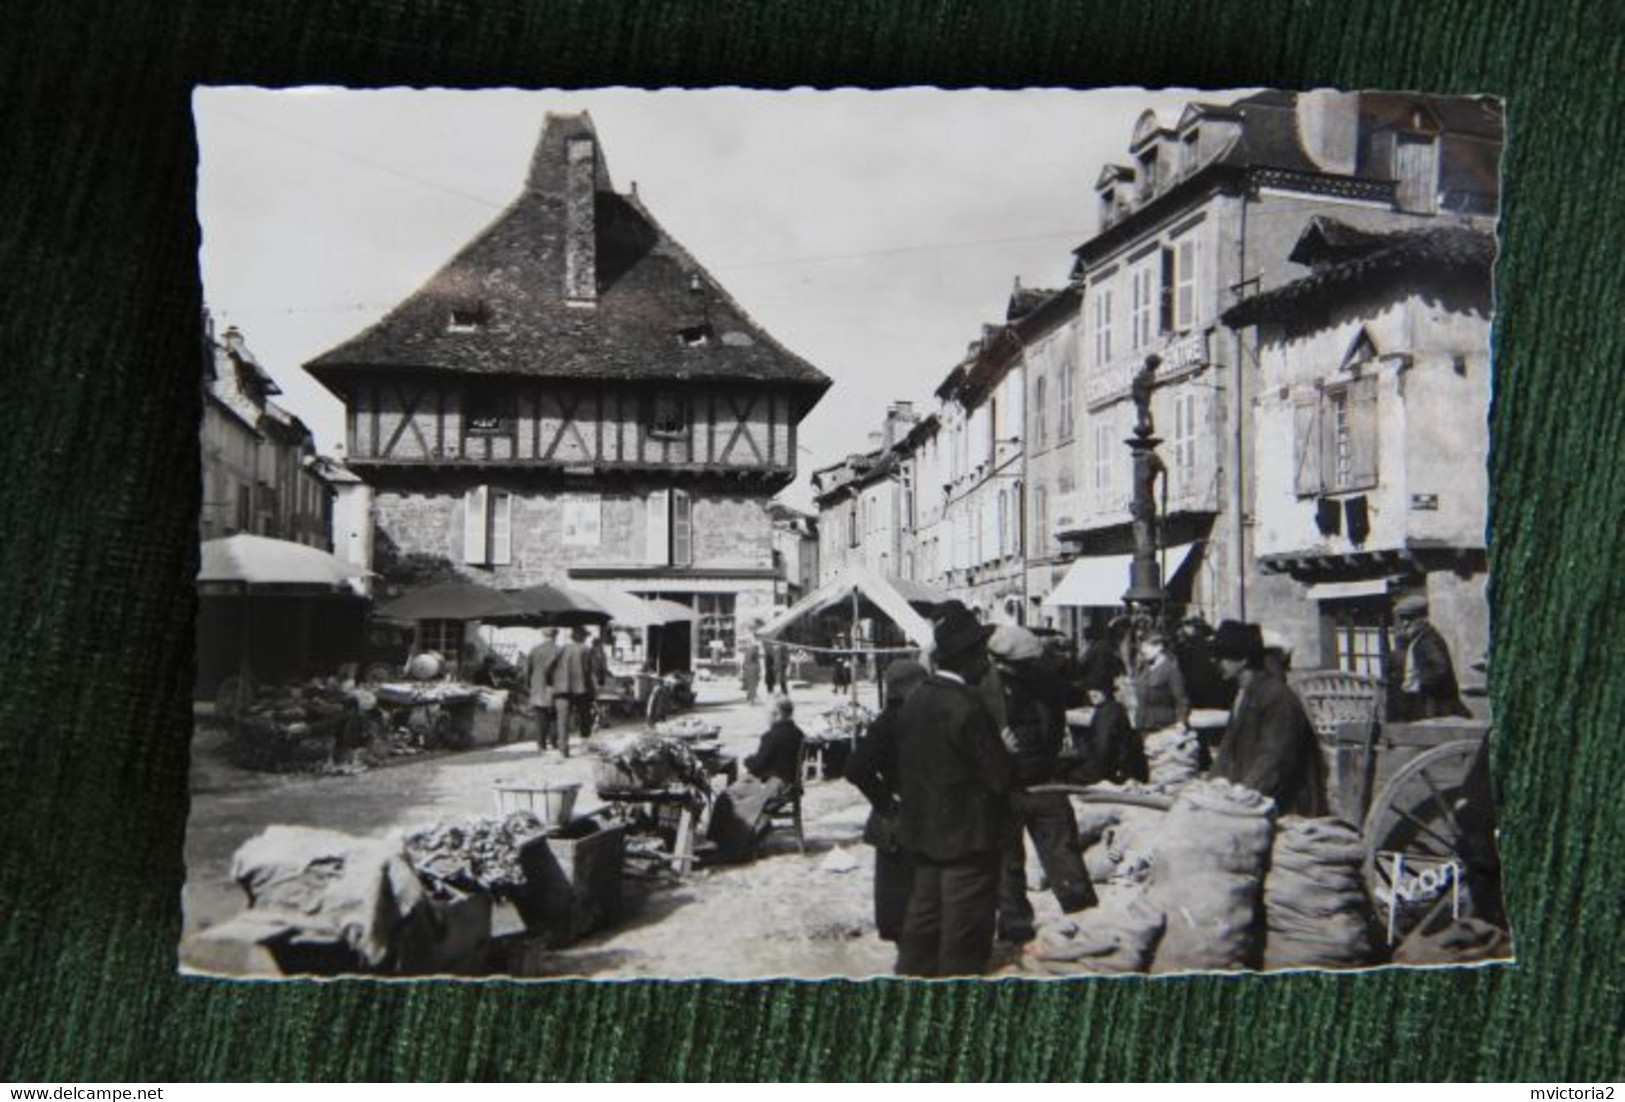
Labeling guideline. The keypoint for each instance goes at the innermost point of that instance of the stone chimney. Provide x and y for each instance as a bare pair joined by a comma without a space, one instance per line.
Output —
580,228
900,417
1329,128
233,341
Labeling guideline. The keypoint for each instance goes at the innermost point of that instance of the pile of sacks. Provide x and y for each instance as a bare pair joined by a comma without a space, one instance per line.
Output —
1174,755
1315,903
1116,937
1210,855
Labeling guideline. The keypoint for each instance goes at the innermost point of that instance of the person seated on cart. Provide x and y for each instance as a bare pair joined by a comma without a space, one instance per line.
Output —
1269,745
739,815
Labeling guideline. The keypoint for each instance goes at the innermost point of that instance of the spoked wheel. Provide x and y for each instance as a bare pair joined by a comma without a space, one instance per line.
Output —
1416,845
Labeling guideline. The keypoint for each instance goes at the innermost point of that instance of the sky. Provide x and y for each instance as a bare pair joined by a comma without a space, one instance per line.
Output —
872,233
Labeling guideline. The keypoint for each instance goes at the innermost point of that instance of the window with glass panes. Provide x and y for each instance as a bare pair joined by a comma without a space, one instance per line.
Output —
716,621
1360,632
444,637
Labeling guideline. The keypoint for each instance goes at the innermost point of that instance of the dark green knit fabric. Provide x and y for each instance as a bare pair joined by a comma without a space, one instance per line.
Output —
99,351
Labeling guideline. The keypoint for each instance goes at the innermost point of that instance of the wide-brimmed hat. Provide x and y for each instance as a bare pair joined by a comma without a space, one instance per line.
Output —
958,632
1234,639
1413,605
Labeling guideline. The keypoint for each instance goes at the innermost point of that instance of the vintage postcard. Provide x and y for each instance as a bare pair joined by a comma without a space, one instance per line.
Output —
841,534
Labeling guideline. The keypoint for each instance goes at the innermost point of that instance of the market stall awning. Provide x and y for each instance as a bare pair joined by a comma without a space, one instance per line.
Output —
453,601
244,561
631,611
882,593
1099,581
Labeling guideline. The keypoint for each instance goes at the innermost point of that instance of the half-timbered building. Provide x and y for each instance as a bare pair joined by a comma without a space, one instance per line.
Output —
573,397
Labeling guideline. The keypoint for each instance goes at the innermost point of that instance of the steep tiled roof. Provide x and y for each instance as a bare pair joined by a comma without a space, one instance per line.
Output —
510,281
1448,251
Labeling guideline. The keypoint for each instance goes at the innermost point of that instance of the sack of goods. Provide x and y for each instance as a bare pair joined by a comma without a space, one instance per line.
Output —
1174,756
1206,877
1315,904
1116,937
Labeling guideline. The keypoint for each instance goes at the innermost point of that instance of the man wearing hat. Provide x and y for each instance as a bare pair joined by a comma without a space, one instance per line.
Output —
1024,692
1422,680
873,769
955,777
1269,745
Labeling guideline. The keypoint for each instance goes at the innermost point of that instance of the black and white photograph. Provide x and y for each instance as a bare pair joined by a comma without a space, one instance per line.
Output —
726,534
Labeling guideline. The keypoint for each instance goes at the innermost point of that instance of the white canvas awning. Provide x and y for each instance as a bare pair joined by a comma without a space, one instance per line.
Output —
891,599
1341,591
1099,581
631,611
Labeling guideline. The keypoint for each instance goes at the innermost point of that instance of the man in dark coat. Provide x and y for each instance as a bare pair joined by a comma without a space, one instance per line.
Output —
873,769
574,688
739,815
1108,749
539,675
1026,695
956,778
1423,678
1269,745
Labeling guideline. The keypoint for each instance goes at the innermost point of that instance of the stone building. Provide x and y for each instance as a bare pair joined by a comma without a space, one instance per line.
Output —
259,461
1371,437
795,553
863,509
1208,212
573,397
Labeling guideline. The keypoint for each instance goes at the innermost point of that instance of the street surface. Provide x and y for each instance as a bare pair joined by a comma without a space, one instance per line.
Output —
783,915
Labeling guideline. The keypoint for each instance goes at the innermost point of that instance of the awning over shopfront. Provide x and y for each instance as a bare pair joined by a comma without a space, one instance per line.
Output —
1099,581
632,611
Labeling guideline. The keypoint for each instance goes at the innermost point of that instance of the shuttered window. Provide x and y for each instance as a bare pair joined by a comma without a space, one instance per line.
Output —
671,528
1040,416
682,529
1144,301
1335,439
487,527
1187,257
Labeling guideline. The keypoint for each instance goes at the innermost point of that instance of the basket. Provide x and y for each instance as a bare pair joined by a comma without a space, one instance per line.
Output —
553,804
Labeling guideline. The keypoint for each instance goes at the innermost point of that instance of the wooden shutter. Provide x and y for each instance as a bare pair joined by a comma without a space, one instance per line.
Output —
1306,444
501,547
659,547
1362,415
1166,321
682,529
474,543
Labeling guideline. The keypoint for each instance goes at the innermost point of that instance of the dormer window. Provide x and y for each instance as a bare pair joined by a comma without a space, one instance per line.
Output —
1189,152
694,336
1149,172
467,319
1108,206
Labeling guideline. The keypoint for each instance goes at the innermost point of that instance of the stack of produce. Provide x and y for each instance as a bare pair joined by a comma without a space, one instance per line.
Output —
1206,876
649,761
1118,936
1174,755
476,855
692,728
1315,903
300,726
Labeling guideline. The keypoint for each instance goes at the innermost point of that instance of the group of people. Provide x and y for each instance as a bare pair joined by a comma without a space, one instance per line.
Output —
564,673
956,763
772,657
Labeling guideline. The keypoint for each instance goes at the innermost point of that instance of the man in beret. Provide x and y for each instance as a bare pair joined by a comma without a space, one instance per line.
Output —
873,769
955,776
1269,745
1422,680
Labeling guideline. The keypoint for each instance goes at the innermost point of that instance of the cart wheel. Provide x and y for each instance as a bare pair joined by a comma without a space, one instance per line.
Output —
1415,826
